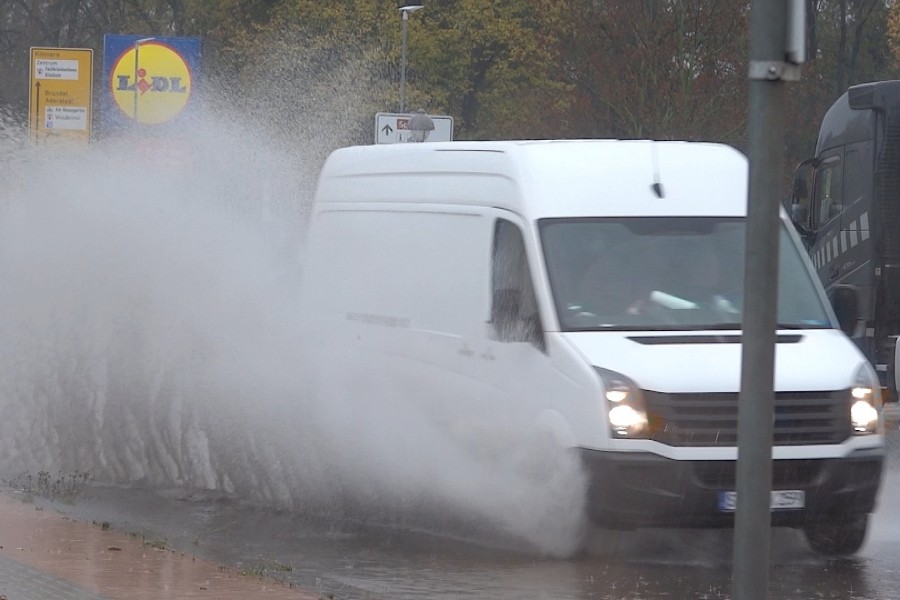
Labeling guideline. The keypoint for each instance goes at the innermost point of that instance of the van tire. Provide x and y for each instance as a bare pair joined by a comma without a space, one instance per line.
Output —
841,535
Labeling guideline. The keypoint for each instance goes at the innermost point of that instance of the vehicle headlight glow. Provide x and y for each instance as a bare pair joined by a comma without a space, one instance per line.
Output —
865,402
625,418
626,413
616,396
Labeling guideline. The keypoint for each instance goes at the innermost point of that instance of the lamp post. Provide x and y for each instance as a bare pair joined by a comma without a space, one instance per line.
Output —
405,9
137,49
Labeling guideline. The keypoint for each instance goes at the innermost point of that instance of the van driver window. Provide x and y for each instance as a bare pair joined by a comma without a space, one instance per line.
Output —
829,196
514,311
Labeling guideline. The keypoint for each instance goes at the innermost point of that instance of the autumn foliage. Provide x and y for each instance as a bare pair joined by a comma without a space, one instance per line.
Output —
503,69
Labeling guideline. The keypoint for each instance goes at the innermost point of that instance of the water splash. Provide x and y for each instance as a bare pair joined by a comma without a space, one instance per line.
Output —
149,334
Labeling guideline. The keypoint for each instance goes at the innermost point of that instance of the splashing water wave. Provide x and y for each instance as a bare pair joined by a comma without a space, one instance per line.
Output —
149,335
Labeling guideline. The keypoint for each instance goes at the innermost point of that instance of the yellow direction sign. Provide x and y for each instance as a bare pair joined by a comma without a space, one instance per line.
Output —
60,93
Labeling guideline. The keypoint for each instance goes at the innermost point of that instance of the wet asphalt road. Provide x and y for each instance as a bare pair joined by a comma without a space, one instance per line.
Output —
352,560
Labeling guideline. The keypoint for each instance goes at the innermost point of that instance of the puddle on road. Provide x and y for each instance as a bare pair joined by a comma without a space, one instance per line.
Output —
364,560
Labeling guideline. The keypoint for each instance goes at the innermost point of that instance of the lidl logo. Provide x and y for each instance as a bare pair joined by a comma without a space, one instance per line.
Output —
151,82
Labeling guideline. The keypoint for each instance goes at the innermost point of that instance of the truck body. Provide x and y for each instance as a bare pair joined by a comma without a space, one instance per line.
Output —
591,291
846,205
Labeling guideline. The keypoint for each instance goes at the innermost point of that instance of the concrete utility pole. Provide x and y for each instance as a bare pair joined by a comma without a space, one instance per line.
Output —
777,50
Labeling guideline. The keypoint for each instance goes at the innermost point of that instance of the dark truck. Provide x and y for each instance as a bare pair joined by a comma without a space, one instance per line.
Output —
846,206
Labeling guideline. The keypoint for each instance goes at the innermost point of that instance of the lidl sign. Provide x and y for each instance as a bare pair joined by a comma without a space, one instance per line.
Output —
149,81
60,93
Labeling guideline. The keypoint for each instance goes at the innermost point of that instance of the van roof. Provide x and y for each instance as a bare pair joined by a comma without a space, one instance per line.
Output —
538,179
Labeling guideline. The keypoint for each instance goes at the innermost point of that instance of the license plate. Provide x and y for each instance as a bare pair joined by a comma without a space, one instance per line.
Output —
781,500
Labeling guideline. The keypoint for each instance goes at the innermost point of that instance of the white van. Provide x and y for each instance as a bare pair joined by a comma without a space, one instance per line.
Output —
592,289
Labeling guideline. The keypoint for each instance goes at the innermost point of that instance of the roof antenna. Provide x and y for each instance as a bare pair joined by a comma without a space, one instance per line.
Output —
657,186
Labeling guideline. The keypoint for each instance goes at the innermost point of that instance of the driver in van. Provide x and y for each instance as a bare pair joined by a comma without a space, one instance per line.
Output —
693,280
641,280
704,280
617,283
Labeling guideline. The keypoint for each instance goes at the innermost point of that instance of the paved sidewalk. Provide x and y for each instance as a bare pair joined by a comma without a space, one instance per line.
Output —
18,581
46,556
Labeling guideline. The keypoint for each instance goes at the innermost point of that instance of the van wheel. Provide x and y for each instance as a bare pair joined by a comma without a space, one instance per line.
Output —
841,536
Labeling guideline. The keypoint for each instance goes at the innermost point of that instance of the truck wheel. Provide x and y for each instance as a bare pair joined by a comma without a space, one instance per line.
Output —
842,536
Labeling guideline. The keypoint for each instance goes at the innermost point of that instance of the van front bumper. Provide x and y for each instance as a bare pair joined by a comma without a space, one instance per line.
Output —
629,489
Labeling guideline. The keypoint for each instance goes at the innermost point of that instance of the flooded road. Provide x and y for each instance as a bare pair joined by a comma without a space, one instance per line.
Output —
346,558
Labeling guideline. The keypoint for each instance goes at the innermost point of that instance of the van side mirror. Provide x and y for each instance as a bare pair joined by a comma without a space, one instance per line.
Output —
845,301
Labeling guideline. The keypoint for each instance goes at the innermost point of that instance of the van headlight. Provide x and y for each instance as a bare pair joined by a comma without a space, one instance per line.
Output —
865,401
624,403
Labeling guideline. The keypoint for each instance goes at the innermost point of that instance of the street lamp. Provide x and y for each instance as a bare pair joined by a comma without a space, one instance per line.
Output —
405,9
137,48
420,125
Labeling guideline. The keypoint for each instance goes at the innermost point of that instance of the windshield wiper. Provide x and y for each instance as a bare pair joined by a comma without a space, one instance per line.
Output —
803,326
738,326
695,327
663,327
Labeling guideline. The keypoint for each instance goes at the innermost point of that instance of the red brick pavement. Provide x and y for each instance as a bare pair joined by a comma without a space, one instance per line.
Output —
118,566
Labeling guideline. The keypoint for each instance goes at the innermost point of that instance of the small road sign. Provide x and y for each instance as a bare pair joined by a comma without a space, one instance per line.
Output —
60,93
392,128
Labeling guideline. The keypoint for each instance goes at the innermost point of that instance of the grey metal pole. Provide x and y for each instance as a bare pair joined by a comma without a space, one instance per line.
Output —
766,124
137,49
403,62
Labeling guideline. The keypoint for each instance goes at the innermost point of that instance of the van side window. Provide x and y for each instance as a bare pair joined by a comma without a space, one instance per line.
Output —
828,201
514,310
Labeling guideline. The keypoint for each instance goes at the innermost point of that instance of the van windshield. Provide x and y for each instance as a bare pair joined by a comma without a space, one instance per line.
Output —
665,273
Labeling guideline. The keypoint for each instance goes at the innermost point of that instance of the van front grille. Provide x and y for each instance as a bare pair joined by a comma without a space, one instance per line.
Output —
710,419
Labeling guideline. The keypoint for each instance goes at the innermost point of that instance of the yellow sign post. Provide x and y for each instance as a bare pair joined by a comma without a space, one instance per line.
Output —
60,93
